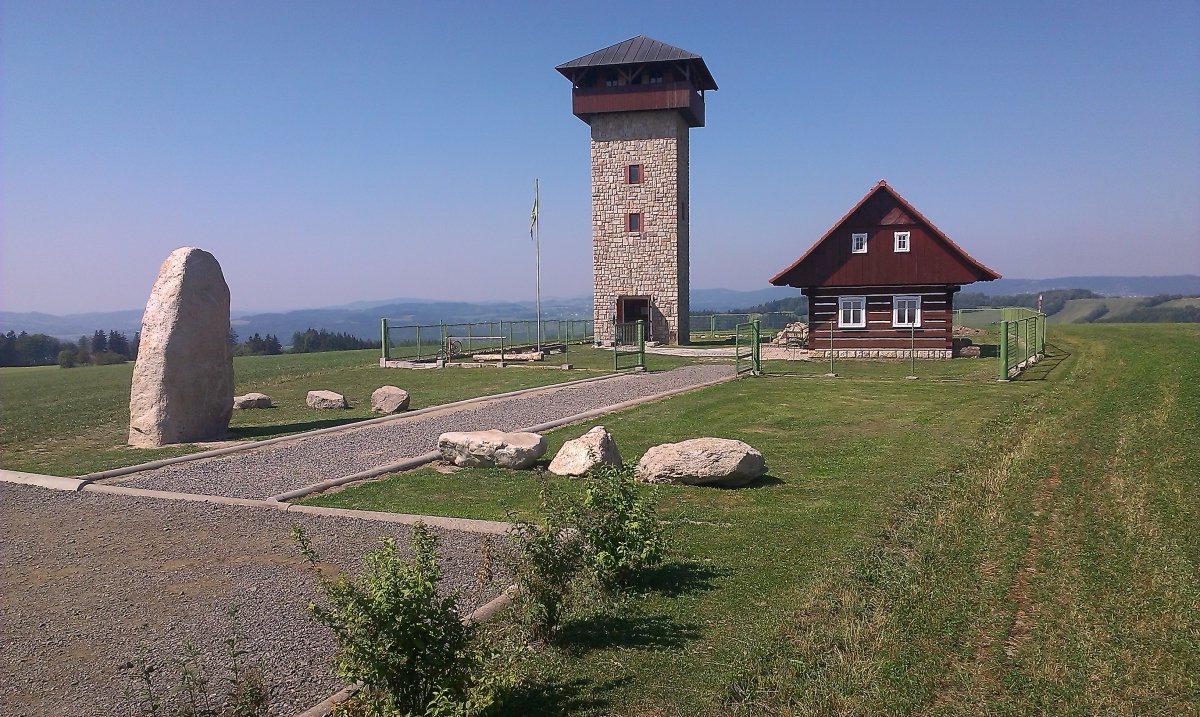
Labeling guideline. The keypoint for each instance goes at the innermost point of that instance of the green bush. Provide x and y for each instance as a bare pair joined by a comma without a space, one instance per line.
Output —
620,530
66,357
395,633
544,560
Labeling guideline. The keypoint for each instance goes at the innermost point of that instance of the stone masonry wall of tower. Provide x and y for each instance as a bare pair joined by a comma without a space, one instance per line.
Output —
654,261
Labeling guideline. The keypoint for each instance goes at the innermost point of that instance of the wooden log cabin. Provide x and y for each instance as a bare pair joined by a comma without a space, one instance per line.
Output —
882,281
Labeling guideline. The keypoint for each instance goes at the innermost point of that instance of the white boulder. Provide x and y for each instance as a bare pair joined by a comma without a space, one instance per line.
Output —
580,455
326,399
252,400
702,461
182,387
487,449
389,399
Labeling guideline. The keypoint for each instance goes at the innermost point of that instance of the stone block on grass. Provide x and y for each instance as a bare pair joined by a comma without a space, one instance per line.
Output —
491,449
389,399
579,455
702,461
326,400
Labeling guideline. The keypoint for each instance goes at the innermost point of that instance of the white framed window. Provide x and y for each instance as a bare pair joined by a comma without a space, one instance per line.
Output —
852,312
858,242
902,241
906,311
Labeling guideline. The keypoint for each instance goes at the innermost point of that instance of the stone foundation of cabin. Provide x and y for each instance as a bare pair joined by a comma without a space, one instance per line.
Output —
880,354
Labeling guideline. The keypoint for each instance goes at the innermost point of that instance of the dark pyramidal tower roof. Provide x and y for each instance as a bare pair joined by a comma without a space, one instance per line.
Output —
641,50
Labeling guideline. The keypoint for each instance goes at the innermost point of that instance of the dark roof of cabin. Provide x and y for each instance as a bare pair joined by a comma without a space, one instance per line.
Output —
981,272
639,50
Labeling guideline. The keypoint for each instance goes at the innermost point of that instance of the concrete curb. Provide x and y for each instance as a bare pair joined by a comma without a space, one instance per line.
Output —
170,495
249,445
466,525
52,482
426,458
406,464
482,614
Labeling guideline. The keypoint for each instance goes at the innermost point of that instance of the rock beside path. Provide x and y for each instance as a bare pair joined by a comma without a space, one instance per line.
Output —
326,399
182,387
491,449
580,455
389,399
702,461
252,400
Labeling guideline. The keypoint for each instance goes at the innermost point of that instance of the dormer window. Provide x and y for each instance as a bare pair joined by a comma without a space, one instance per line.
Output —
858,243
902,241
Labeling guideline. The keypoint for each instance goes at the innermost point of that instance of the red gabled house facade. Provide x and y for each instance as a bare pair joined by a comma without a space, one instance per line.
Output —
882,281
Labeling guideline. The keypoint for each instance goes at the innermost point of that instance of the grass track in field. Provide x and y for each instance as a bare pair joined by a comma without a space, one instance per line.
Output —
839,451
946,547
74,421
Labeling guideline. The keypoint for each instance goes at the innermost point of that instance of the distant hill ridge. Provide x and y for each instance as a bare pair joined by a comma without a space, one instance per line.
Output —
361,318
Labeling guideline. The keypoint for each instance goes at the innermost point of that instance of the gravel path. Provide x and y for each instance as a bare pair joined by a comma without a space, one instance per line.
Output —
276,469
92,582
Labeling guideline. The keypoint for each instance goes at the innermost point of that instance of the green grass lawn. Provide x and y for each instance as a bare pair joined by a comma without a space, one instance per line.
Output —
951,545
70,422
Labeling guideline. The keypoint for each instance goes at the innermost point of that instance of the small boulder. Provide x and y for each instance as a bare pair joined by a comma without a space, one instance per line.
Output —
488,449
326,399
389,399
252,400
702,461
580,455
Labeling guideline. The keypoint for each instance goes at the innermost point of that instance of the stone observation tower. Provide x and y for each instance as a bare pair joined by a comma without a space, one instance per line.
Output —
640,97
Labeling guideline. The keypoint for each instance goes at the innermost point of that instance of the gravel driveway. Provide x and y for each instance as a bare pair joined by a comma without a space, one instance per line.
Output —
275,469
92,582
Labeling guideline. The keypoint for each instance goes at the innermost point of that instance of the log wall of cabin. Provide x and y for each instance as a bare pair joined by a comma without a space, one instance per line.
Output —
935,331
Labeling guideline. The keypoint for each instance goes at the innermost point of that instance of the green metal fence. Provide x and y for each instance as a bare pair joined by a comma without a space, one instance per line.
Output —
629,345
746,356
428,342
717,326
1022,340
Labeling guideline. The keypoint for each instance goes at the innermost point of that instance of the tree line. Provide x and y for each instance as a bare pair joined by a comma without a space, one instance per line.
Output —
101,348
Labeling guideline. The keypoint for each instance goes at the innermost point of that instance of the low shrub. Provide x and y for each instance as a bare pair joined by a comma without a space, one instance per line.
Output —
544,560
620,530
402,640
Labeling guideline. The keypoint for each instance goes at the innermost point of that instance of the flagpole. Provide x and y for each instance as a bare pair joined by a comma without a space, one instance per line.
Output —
537,251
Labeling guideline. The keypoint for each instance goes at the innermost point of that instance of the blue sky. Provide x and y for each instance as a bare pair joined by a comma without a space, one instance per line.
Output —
334,152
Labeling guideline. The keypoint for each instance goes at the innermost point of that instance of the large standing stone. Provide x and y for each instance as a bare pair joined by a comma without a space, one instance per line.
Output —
389,399
580,455
487,449
183,380
702,461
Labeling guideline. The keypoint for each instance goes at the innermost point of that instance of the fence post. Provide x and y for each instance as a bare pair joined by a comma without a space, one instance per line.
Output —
418,342
831,371
384,332
1003,349
641,335
912,349
757,354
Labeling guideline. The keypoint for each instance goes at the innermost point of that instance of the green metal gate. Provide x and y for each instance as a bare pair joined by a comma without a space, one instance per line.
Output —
746,356
1022,340
629,345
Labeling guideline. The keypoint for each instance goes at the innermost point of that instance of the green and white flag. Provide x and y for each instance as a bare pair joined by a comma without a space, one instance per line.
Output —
533,215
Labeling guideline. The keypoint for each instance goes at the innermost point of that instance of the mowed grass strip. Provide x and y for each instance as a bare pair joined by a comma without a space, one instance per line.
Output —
842,454
74,421
1056,574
